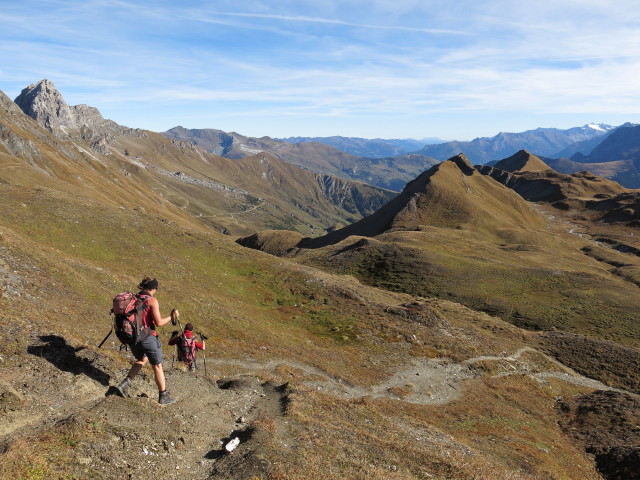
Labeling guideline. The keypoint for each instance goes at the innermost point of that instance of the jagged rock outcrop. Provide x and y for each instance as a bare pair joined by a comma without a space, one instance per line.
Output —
44,103
349,195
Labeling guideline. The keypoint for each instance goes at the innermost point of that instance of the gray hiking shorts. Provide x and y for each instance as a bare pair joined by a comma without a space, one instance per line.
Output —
149,347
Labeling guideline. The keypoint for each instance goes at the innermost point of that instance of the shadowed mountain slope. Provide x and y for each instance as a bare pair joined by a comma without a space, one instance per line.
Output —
617,158
622,144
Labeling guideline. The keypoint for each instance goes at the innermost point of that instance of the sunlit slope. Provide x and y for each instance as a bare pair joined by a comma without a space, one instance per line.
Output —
451,194
456,234
136,168
63,257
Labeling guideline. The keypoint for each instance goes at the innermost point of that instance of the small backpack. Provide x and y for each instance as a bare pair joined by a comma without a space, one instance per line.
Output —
128,310
187,350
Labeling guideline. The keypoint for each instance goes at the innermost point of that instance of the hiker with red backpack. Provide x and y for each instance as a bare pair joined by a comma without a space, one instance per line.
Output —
135,325
186,345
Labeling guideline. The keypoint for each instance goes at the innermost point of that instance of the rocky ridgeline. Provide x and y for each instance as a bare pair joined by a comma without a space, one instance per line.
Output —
44,103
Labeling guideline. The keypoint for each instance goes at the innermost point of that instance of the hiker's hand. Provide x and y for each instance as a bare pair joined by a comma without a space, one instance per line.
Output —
174,333
174,317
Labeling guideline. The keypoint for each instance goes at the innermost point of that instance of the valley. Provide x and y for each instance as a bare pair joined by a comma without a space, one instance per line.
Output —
479,322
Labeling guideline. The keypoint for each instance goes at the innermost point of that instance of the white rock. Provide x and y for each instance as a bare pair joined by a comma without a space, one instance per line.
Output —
231,446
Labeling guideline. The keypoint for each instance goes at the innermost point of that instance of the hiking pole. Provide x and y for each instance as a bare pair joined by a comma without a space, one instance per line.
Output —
174,334
105,338
203,337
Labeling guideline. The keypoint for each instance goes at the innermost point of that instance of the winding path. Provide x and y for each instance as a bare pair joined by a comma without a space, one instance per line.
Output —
425,381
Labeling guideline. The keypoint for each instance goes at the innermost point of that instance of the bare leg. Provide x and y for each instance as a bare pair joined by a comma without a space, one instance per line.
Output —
136,367
159,373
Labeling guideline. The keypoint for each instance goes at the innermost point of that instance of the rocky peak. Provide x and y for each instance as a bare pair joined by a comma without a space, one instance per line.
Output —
44,103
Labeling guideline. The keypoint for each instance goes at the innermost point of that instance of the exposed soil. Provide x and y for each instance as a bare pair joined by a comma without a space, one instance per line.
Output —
136,438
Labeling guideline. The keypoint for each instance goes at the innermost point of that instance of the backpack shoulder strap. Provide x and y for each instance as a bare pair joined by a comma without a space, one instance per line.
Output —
141,305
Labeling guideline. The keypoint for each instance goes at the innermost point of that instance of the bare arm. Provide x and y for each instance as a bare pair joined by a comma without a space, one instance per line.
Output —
155,313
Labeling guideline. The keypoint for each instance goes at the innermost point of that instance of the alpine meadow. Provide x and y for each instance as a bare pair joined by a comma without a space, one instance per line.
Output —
459,310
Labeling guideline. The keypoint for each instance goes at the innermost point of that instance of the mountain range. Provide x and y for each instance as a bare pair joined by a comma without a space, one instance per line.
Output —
369,148
391,173
564,150
546,142
480,323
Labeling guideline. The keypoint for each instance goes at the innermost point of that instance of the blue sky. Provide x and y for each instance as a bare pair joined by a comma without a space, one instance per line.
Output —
376,68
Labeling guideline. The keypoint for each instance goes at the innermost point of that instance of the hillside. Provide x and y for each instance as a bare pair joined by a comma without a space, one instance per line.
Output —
582,195
232,196
390,172
458,235
298,361
368,367
440,197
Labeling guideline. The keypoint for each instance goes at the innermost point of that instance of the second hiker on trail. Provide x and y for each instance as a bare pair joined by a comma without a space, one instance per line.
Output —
186,346
149,348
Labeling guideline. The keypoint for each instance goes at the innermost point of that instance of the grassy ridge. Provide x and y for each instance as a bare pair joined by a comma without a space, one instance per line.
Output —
537,281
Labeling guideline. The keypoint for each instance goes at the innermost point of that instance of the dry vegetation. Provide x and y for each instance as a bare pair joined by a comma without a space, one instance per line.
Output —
315,372
57,273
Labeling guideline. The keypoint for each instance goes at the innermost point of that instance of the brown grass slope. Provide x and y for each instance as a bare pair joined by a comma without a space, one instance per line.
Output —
456,234
522,161
227,195
450,195
586,195
372,384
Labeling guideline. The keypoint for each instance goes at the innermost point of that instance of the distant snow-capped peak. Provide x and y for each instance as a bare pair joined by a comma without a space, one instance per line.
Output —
599,127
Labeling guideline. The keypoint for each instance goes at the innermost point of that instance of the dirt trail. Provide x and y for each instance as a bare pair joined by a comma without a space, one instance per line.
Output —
425,381
136,438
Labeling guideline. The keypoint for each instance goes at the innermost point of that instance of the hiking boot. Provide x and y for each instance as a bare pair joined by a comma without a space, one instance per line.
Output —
123,388
165,399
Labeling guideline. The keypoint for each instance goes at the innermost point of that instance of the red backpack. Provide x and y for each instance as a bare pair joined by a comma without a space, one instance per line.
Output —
128,309
187,350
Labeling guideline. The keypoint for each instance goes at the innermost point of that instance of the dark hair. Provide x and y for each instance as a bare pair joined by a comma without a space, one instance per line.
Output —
188,326
148,283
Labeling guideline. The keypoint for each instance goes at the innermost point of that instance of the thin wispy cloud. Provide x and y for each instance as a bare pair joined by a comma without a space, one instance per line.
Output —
403,68
327,21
